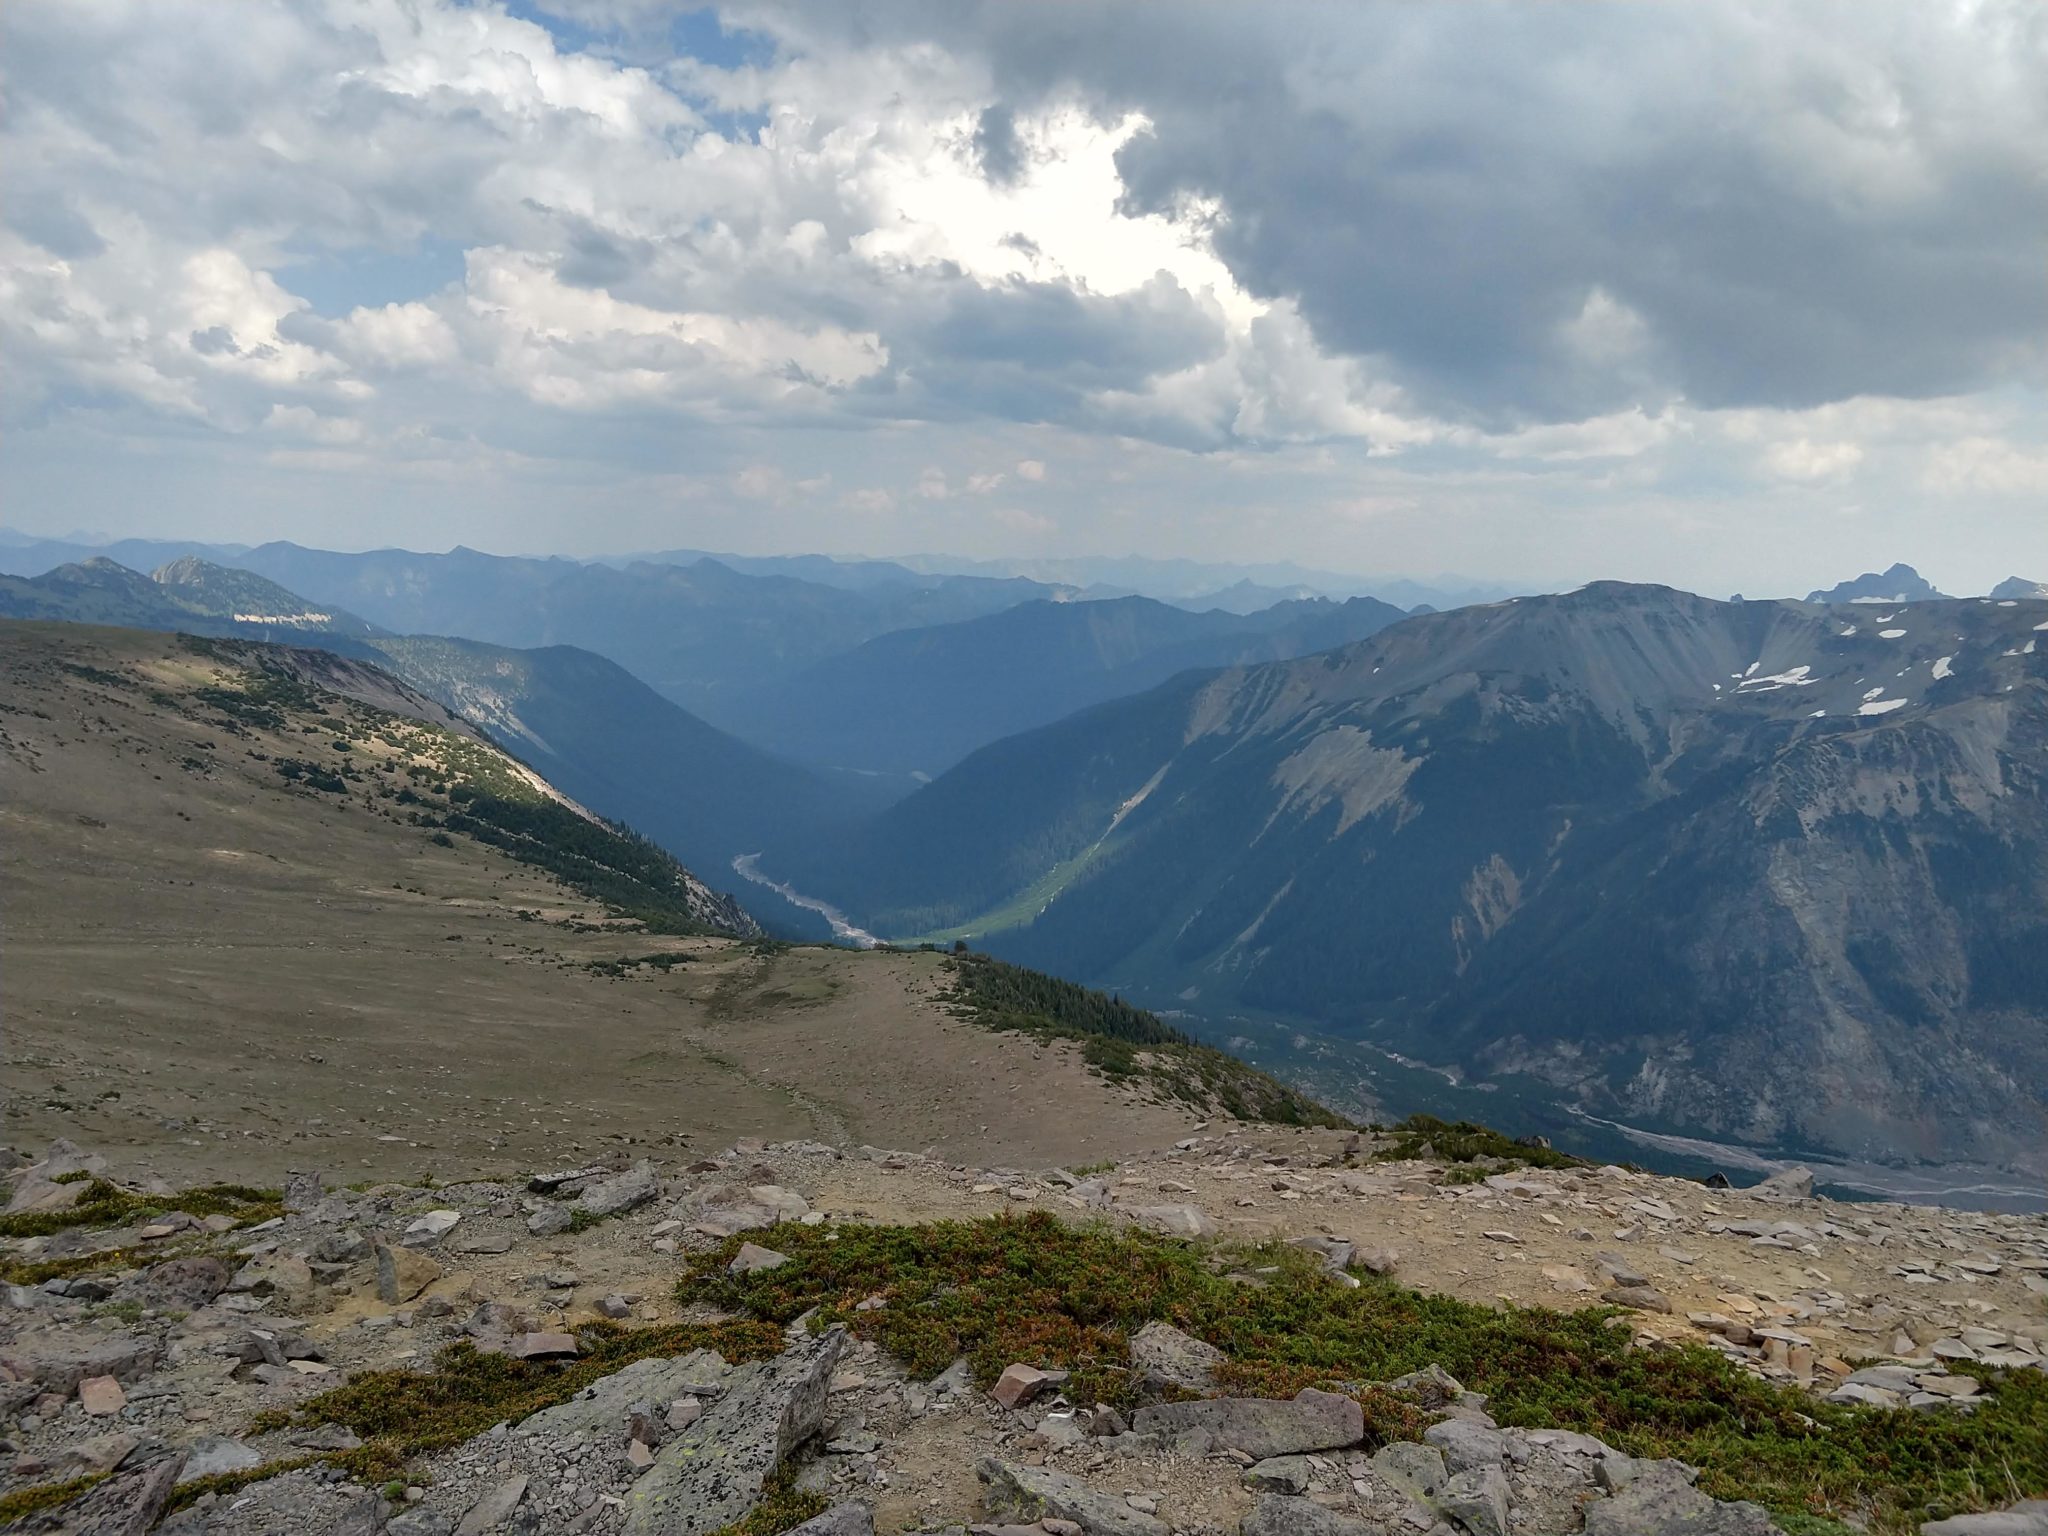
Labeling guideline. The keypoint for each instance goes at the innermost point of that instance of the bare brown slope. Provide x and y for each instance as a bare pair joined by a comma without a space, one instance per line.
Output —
230,973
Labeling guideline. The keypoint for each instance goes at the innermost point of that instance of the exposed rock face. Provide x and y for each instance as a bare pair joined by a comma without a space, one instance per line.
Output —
713,1472
1831,823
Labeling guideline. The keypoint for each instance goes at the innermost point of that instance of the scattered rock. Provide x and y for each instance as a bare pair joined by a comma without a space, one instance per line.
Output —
549,1221
493,1509
211,1455
125,1504
752,1258
1038,1493
403,1273
101,1396
851,1518
1021,1384
2029,1517
630,1190
1658,1499
1279,1515
424,1231
1644,1298
1278,1474
1785,1184
1173,1220
61,1361
543,1346
1163,1351
179,1285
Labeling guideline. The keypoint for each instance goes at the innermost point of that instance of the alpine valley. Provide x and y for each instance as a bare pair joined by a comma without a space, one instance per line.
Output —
1768,874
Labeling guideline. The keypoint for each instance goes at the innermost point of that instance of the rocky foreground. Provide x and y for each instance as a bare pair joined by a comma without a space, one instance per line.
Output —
156,1366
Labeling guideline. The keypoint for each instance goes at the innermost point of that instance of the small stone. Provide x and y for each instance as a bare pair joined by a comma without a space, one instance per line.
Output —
1162,1350
402,1274
212,1455
540,1346
1644,1298
430,1228
615,1306
1278,1474
549,1221
1021,1384
101,1396
493,1509
753,1259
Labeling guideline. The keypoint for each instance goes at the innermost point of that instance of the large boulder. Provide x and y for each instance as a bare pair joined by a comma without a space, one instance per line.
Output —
1277,1514
179,1285
59,1362
2029,1517
1660,1500
1262,1427
1030,1494
713,1473
631,1189
852,1518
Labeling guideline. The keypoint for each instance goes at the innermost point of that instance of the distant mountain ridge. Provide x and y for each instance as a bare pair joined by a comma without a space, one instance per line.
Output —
1765,871
1900,584
919,700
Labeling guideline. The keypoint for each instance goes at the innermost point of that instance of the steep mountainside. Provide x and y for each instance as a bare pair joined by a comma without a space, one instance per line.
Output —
271,904
919,700
612,742
251,601
1760,870
586,723
699,634
2018,587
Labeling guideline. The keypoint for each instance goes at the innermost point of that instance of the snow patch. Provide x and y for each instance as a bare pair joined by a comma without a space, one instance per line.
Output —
1797,677
1890,634
1942,667
1883,706
1875,693
1846,633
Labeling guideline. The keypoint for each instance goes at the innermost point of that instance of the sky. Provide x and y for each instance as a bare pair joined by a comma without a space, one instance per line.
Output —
1740,296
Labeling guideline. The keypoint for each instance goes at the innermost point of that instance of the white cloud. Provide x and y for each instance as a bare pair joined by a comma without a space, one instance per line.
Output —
427,238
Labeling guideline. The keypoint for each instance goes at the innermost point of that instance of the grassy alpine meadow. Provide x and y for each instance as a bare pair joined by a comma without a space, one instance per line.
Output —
1033,1289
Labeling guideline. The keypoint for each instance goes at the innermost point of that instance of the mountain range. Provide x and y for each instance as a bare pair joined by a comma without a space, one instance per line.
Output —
1764,871
983,679
1770,872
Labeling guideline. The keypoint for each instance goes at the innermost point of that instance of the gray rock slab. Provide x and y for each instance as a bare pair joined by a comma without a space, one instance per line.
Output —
1038,1493
1262,1427
712,1473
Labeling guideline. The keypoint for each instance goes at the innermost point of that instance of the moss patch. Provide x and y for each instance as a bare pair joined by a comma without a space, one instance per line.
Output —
104,1204
1424,1137
23,1502
1032,1289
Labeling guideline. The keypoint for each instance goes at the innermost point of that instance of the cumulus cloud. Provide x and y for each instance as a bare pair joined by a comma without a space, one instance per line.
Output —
1374,255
